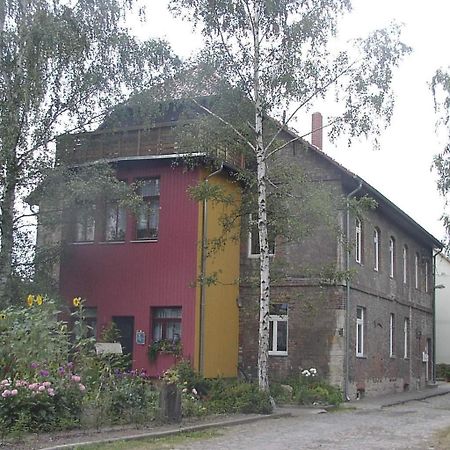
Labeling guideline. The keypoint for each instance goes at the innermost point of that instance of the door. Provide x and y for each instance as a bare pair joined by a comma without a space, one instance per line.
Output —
125,325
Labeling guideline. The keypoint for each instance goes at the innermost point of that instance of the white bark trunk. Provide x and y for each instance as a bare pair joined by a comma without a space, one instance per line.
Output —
263,341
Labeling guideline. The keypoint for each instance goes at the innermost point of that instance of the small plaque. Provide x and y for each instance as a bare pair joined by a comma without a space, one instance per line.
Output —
140,337
105,348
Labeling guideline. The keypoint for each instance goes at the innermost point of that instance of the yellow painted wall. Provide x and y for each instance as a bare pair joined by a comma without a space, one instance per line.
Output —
221,313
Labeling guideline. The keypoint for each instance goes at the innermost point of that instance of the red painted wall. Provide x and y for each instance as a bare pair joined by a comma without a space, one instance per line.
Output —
127,279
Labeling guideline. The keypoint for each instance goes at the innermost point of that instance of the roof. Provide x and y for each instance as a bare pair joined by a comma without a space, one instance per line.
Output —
352,181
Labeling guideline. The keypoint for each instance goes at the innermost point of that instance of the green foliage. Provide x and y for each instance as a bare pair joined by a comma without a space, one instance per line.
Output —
443,371
163,346
237,397
307,389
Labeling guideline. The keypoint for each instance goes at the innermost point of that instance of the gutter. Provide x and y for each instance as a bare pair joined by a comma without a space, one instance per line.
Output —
434,315
347,300
201,344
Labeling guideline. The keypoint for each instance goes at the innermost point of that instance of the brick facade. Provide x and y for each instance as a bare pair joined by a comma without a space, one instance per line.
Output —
317,335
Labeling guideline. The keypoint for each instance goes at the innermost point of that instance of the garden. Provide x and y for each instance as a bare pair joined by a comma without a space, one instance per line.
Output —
52,379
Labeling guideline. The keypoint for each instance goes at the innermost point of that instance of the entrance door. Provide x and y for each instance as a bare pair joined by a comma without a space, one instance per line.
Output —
125,325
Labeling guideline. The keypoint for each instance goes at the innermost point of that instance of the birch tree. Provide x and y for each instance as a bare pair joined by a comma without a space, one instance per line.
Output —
62,65
277,55
440,86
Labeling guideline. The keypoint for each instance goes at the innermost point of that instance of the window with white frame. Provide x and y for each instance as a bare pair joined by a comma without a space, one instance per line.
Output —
278,329
405,264
253,239
406,338
360,316
376,249
426,276
392,335
84,223
147,220
358,240
115,221
416,271
391,257
166,324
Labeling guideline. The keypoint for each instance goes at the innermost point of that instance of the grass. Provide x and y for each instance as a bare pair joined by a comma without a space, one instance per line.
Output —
153,443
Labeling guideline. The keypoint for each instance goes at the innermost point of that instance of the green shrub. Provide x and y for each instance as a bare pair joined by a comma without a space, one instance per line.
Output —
443,371
237,397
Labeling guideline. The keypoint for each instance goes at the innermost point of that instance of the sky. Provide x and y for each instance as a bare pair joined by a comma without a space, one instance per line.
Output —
401,168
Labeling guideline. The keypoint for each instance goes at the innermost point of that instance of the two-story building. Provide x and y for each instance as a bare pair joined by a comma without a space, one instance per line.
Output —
355,300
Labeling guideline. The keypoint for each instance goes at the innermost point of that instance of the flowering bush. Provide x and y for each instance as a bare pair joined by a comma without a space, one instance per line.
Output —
308,389
44,401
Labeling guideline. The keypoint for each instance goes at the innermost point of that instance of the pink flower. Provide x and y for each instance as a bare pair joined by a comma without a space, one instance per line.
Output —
41,388
14,392
51,392
76,378
5,382
21,383
33,386
6,393
46,384
82,387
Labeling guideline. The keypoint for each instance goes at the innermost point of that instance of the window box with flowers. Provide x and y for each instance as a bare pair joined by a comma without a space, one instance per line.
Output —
170,347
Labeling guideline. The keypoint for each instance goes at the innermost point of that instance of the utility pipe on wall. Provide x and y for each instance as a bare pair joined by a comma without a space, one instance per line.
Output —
347,301
434,316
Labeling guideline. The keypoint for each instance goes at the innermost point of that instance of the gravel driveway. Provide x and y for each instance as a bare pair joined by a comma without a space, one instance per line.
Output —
408,426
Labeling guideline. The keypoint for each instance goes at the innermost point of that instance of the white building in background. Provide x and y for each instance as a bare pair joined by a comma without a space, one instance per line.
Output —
442,309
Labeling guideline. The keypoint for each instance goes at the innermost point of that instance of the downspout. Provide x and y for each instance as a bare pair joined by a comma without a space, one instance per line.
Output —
347,300
201,344
434,316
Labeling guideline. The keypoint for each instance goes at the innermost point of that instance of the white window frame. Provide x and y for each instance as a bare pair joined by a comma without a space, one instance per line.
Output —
406,333
376,249
275,319
427,280
250,237
358,240
416,271
392,335
360,331
405,264
391,257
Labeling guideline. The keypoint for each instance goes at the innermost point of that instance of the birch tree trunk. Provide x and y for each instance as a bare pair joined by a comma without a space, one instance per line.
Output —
264,300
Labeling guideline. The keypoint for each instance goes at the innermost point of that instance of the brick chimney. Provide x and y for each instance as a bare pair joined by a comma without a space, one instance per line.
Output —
316,130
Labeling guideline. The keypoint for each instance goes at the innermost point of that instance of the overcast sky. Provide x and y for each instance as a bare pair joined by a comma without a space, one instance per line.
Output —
401,168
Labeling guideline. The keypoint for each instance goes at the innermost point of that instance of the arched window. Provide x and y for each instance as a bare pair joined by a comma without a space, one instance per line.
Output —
358,240
416,271
376,249
391,257
405,264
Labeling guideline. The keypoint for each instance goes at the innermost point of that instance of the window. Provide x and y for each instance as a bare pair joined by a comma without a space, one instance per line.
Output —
147,221
376,249
405,264
416,271
115,223
166,324
392,335
253,239
360,313
391,257
85,223
406,338
358,241
278,329
426,276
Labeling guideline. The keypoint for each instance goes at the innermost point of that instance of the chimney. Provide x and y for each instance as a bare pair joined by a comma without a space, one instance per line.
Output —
316,130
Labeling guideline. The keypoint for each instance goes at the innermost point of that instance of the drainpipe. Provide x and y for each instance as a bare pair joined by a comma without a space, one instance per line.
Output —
201,345
434,316
347,300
